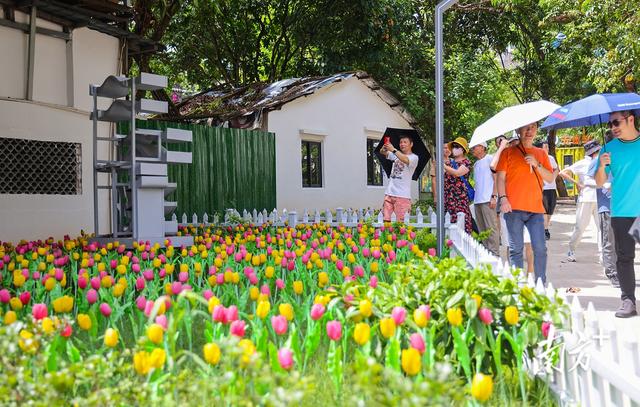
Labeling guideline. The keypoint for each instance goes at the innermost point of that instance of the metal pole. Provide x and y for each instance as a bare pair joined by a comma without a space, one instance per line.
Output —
132,181
32,52
94,93
440,9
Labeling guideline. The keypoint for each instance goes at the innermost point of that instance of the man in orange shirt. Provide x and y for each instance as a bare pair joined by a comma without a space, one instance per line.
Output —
520,174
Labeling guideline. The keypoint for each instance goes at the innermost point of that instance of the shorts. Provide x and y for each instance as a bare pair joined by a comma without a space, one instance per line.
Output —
395,204
549,199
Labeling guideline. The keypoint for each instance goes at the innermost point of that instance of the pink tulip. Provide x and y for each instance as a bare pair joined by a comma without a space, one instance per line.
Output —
5,297
279,324
92,296
398,314
95,283
135,268
279,284
82,282
176,287
431,252
141,303
238,328
25,274
373,282
291,265
484,314
449,242
334,330
376,254
339,264
148,307
105,309
417,342
265,289
358,271
113,264
317,311
218,314
366,252
162,321
220,279
148,274
162,273
253,279
207,294
183,277
25,297
139,283
285,358
231,313
39,311
546,326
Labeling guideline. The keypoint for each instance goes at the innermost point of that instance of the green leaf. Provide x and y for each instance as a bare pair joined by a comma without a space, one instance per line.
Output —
462,351
73,353
392,355
455,299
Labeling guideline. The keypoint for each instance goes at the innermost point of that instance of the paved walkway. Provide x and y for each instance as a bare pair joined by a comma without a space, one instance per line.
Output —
586,273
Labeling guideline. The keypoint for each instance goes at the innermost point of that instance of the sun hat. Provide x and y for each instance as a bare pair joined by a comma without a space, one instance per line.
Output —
591,147
462,142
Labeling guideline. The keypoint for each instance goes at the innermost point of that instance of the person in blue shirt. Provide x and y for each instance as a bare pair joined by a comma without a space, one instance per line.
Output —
620,159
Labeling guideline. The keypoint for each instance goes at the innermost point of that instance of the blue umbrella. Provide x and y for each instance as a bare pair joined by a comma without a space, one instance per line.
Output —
592,110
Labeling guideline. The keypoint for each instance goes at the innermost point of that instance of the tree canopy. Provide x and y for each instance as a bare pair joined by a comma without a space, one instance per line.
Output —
497,52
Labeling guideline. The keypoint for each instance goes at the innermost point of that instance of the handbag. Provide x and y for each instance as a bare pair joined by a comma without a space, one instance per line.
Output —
471,193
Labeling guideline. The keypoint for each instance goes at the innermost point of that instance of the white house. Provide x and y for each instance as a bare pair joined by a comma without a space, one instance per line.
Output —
50,52
325,130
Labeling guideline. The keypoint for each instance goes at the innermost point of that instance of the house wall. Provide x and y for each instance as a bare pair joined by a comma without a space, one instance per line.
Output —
341,116
48,118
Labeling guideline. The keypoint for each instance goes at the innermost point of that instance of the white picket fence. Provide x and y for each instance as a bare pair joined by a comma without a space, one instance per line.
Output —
599,359
349,217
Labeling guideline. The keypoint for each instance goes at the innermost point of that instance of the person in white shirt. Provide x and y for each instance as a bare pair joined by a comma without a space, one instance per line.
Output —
397,197
549,194
587,205
484,201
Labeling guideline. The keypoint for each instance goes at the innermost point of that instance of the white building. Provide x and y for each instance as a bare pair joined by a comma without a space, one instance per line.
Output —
46,157
325,130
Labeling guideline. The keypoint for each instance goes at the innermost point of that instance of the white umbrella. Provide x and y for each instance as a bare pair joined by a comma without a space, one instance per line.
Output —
512,118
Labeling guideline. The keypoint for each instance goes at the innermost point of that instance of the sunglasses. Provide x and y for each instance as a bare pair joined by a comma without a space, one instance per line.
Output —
616,122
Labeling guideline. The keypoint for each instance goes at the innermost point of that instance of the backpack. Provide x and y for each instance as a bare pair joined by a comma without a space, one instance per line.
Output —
471,193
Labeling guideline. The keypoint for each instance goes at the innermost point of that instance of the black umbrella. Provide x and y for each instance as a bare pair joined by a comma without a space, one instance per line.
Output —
418,149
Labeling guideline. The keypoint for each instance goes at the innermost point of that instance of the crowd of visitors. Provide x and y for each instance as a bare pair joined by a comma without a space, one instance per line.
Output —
513,194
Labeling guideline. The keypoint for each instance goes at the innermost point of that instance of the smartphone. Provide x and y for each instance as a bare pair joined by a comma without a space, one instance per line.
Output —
386,140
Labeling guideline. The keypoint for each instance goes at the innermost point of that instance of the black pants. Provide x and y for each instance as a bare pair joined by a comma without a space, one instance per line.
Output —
626,252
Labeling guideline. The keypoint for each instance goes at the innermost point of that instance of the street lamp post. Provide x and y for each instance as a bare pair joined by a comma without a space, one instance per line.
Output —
440,9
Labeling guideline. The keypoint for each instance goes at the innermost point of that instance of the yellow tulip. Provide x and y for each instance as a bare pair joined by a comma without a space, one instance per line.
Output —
211,353
157,358
478,300
361,333
323,279
47,325
50,284
298,287
263,309
454,316
155,333
481,387
511,315
374,267
420,318
84,322
10,317
63,304
286,310
213,301
411,362
122,269
18,279
248,349
15,303
111,337
254,293
141,362
387,327
366,308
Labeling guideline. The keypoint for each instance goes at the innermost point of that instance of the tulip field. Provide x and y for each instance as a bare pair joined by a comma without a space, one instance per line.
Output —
265,316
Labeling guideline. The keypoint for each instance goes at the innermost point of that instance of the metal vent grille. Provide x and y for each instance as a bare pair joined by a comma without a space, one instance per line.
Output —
40,167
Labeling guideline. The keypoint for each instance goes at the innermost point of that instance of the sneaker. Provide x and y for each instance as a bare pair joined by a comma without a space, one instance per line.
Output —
571,257
547,235
614,281
627,309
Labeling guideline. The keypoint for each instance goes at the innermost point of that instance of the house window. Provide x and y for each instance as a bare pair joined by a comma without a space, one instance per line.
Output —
374,169
311,164
40,167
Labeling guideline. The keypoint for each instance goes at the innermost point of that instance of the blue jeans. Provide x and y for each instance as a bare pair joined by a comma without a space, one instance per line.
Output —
516,221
